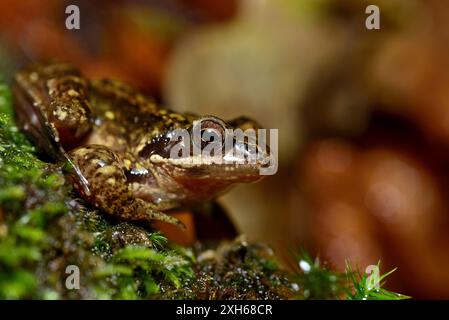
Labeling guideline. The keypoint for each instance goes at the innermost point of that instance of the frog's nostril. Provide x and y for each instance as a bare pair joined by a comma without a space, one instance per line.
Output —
161,146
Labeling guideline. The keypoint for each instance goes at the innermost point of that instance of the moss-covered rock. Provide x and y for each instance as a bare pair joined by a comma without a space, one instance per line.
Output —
45,230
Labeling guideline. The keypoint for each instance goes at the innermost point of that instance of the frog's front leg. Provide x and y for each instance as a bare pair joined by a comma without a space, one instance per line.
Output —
108,186
51,106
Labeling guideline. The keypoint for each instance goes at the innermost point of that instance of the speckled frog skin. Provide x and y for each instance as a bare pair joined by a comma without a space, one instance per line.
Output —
114,143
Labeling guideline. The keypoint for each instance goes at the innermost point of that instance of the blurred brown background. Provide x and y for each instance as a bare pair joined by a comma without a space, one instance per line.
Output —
363,116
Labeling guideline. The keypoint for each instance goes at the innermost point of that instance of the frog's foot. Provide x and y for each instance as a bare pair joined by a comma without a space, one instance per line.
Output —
108,186
145,211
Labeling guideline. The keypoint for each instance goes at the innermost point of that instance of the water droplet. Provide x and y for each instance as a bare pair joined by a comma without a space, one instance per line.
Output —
305,266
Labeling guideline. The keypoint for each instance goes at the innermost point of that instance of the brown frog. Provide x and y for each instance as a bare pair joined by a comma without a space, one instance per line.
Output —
116,143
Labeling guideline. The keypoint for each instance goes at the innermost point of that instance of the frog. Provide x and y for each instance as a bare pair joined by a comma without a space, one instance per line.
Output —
115,144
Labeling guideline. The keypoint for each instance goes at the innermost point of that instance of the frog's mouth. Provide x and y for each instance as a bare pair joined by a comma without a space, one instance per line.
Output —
228,167
210,150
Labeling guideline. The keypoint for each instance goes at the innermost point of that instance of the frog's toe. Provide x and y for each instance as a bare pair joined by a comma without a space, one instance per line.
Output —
146,212
167,218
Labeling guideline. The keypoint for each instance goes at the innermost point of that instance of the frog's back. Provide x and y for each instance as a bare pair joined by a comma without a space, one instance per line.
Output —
126,119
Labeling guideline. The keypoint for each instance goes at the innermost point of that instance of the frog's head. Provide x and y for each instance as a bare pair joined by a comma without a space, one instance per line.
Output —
205,157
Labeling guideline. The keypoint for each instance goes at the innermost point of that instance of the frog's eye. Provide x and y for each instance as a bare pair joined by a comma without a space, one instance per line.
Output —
213,124
212,130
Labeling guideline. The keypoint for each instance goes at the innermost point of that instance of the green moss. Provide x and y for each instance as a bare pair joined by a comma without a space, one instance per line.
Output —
236,270
145,270
44,224
44,227
364,288
316,280
29,199
5,99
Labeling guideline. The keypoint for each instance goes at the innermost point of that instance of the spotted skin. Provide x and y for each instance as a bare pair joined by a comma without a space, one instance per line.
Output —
58,94
117,143
109,187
